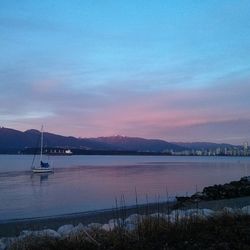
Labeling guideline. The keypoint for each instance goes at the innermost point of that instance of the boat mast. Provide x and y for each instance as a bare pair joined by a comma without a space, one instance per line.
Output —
41,153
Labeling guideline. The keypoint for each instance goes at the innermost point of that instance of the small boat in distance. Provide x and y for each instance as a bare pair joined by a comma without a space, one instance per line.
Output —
44,166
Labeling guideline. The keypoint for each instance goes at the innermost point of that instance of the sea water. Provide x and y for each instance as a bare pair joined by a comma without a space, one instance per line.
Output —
86,183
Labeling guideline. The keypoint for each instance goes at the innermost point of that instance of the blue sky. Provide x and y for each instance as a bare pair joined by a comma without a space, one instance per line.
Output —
176,70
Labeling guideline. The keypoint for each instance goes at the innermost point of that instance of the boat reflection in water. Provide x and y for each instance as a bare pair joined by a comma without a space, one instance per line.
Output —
42,177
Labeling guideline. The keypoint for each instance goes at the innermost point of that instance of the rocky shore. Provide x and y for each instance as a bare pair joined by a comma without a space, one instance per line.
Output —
234,189
128,224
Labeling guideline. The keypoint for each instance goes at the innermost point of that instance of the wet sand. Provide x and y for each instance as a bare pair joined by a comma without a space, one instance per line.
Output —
14,227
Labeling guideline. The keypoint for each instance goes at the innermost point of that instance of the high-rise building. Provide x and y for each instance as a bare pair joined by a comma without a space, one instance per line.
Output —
245,146
218,151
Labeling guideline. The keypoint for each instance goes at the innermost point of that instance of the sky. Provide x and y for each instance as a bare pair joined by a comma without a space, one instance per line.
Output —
173,70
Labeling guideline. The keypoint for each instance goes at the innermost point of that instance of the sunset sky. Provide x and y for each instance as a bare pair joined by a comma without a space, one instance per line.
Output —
175,70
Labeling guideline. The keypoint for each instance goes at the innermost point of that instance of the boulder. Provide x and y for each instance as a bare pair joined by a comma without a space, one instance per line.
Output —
176,215
94,226
204,213
6,242
134,219
25,233
200,213
116,222
158,215
130,226
50,233
65,229
42,233
107,227
112,224
77,229
207,212
246,210
228,210
3,245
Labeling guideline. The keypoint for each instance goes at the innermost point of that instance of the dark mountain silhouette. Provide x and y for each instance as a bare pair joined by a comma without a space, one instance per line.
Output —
138,144
11,139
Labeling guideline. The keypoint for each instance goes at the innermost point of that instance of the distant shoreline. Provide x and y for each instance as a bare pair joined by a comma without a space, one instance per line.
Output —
132,154
13,141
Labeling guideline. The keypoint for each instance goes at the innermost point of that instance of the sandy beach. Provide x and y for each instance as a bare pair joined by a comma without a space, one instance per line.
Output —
14,227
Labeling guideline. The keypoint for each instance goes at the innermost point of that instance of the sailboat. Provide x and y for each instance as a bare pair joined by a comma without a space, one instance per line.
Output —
44,166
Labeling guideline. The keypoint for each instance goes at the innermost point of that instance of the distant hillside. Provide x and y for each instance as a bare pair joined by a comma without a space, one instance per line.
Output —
12,140
138,144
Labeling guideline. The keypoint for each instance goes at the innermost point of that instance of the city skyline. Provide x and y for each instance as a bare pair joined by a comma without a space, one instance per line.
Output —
177,71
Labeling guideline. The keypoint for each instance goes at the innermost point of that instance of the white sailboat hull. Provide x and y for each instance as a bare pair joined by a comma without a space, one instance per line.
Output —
42,170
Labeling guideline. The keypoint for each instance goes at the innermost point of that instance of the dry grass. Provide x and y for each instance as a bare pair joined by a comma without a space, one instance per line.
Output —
219,232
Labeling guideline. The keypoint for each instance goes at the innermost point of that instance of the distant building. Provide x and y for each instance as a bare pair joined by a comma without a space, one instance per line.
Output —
245,146
225,151
218,151
198,152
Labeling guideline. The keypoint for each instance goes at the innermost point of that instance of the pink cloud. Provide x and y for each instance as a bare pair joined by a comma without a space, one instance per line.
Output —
162,112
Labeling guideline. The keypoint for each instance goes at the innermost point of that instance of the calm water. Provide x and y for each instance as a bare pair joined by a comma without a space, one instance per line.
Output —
83,183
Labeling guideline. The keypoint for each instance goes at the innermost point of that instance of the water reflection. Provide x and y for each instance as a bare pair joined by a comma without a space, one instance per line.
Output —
41,177
83,187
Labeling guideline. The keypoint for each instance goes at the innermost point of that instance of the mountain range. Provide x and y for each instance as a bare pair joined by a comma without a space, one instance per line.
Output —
13,140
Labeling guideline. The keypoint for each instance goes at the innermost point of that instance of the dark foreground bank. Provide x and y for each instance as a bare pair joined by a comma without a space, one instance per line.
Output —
227,231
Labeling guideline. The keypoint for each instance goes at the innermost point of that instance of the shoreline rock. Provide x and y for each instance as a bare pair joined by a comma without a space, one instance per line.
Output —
233,189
